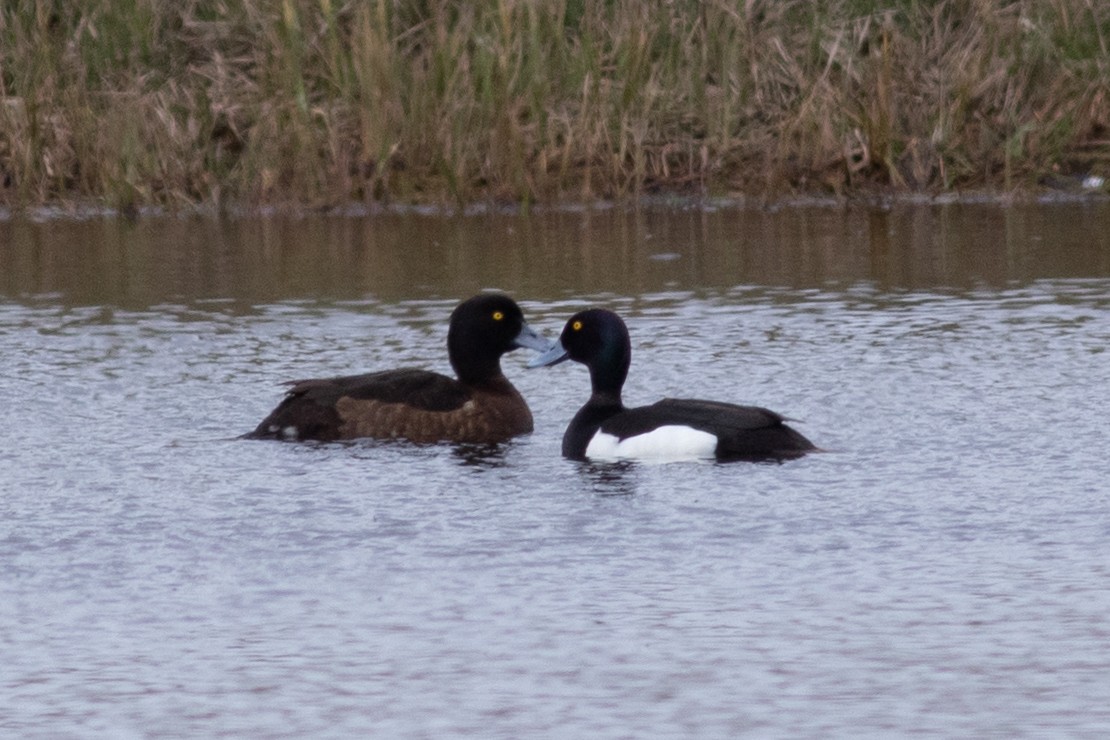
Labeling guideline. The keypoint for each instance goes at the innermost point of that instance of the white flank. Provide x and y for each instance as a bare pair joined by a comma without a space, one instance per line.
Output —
664,444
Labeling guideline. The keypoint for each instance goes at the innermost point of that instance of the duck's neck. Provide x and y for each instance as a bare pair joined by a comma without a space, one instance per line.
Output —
609,399
478,372
473,362
608,372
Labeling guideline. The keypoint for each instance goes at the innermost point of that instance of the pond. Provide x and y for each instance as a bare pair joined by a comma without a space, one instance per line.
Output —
941,568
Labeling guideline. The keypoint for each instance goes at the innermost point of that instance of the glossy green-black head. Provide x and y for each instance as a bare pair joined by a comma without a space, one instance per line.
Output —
599,340
482,329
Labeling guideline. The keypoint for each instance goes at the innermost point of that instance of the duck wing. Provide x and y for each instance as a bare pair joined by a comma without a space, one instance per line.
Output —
741,431
421,389
321,408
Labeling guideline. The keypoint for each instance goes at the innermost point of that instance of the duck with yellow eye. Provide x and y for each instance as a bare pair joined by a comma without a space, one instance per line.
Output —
479,405
671,429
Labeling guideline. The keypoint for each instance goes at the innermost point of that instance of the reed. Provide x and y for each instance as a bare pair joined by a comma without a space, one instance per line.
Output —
321,102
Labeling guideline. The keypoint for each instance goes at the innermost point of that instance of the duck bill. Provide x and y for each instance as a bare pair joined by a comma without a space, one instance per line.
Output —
529,338
555,354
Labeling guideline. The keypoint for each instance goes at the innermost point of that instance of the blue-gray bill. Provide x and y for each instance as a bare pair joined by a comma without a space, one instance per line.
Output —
529,338
555,354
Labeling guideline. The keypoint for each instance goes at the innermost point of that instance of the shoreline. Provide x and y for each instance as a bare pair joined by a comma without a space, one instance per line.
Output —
220,108
89,211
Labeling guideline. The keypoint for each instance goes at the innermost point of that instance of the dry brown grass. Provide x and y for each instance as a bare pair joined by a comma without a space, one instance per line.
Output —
322,102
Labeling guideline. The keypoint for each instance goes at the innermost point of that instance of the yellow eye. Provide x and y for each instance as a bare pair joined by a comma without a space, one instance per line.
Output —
577,326
497,315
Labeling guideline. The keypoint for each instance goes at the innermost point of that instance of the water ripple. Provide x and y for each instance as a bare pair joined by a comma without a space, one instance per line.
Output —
939,570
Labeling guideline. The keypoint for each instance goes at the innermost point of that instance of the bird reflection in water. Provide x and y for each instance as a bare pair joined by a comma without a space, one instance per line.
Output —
481,456
609,478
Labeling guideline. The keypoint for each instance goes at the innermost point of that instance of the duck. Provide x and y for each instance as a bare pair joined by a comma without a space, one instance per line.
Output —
478,406
671,429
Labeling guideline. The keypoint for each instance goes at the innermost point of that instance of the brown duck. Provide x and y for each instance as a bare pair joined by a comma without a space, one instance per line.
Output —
480,405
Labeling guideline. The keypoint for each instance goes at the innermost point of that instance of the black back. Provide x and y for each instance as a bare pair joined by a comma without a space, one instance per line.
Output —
743,432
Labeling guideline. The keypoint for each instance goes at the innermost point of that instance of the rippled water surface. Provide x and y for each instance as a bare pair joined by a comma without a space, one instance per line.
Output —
944,568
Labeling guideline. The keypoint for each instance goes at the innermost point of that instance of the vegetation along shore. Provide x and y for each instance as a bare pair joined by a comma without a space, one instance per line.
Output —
322,102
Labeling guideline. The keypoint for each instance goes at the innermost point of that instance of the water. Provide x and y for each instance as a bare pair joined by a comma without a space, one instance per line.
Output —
941,570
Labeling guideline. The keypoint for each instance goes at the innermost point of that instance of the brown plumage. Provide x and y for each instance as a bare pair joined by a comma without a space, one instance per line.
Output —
480,406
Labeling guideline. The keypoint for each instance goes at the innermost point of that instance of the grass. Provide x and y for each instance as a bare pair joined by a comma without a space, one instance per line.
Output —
320,102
